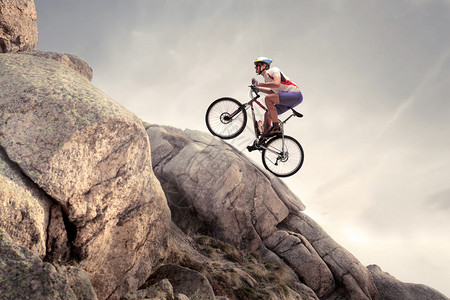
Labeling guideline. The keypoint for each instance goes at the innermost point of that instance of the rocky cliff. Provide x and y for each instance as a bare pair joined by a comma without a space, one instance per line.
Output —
18,25
97,204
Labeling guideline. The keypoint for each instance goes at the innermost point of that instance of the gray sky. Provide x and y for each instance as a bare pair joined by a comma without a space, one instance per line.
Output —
375,77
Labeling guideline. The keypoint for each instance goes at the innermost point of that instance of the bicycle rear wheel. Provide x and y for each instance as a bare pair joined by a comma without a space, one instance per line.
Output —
283,157
226,118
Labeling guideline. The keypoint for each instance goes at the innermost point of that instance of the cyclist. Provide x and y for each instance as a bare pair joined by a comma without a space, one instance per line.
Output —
282,94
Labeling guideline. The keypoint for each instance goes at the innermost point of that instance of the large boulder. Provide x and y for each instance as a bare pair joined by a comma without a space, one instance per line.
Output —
300,255
92,157
347,271
69,60
24,208
393,289
78,281
239,203
230,196
184,281
24,276
18,26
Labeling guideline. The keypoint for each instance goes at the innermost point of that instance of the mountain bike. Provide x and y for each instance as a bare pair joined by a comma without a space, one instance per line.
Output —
282,155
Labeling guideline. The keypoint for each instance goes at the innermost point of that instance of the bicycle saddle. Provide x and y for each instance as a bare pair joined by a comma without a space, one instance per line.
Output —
296,113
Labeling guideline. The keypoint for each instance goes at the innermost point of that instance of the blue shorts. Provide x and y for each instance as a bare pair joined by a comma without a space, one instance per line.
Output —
288,100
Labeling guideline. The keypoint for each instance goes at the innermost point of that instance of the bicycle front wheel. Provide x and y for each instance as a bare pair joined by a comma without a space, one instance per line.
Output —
226,118
283,156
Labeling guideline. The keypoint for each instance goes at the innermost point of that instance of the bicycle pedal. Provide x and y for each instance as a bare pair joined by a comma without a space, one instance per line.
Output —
252,148
261,143
257,144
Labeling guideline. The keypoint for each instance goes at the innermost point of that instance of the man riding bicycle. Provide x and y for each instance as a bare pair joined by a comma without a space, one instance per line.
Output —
282,94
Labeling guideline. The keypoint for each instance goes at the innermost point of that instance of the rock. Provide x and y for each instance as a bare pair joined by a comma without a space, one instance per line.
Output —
69,60
24,276
24,208
184,281
58,244
305,292
347,271
236,276
235,200
160,290
301,256
18,26
93,158
78,281
184,297
245,277
392,289
226,192
238,203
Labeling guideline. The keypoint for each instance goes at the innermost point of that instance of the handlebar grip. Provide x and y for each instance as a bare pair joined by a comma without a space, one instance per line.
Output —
254,88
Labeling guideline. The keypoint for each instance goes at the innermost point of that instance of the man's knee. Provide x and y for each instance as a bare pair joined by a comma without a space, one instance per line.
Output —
269,100
272,98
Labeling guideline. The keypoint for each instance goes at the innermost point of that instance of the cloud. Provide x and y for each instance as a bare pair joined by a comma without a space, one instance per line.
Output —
428,78
440,201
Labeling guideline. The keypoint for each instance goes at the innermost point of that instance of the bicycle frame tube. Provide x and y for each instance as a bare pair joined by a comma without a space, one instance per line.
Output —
257,102
280,154
246,105
255,123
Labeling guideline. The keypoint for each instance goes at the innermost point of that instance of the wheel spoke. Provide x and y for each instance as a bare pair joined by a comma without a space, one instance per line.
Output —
226,118
283,156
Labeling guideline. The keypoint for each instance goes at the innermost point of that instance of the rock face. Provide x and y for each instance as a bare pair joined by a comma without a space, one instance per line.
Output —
235,201
18,26
24,208
185,281
78,281
392,289
233,198
92,157
347,271
69,60
25,276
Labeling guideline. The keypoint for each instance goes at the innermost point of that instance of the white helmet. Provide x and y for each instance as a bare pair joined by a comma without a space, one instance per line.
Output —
263,61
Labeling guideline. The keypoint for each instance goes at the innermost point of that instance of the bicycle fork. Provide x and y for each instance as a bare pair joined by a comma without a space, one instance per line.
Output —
284,154
281,154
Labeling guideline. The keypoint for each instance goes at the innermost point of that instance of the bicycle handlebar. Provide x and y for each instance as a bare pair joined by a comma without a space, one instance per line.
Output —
255,90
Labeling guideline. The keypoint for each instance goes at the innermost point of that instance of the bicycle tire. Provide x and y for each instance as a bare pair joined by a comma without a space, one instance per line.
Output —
218,121
283,163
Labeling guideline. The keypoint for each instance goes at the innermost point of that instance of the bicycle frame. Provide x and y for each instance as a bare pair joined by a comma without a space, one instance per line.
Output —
250,104
255,100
